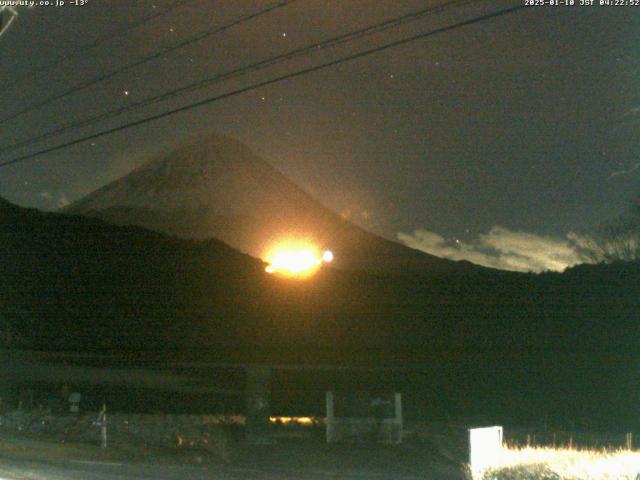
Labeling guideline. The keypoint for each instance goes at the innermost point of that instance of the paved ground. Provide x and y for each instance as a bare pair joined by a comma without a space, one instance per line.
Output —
40,470
285,460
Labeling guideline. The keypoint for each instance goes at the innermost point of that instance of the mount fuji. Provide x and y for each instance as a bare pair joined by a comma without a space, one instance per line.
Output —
220,188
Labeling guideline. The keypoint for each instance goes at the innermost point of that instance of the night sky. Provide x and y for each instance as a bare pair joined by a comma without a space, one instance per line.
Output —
508,134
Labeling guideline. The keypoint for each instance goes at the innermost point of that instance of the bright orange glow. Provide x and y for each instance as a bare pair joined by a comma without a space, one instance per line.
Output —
296,259
293,420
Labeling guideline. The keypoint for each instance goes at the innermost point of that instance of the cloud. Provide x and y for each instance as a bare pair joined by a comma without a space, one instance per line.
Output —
59,202
631,111
504,249
63,201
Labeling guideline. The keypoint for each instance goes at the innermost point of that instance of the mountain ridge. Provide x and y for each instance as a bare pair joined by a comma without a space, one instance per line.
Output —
220,188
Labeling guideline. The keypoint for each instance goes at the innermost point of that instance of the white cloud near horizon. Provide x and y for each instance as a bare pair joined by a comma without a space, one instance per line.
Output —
60,202
503,249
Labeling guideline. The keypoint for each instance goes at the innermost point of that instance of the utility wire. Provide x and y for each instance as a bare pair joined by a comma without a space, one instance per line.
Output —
60,59
4,26
8,15
137,63
332,42
278,79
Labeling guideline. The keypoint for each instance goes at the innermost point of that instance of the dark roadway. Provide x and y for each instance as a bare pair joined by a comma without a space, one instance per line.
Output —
283,460
12,469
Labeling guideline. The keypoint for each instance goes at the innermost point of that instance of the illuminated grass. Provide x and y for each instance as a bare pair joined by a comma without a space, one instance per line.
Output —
564,464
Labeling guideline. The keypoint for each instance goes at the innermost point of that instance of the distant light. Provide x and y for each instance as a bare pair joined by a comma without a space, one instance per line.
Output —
296,259
286,420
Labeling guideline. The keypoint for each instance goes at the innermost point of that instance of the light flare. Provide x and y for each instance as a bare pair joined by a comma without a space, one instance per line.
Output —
296,260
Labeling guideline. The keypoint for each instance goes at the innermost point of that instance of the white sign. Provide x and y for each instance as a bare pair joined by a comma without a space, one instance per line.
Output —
485,447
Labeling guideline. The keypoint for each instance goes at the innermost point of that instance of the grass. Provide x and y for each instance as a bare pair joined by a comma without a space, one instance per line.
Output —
544,463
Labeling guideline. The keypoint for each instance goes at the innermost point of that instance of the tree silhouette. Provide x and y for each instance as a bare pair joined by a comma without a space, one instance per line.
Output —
618,240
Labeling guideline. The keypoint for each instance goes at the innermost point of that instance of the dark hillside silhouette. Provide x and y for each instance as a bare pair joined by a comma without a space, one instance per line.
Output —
570,340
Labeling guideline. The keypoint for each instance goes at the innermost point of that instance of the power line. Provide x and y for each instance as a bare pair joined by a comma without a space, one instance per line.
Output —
332,42
4,26
137,63
60,59
265,83
8,15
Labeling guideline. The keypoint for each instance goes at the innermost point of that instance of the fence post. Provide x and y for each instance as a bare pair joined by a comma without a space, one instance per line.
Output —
257,397
397,401
330,418
103,426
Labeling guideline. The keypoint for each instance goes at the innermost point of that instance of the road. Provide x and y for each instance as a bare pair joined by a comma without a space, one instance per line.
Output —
24,457
14,469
